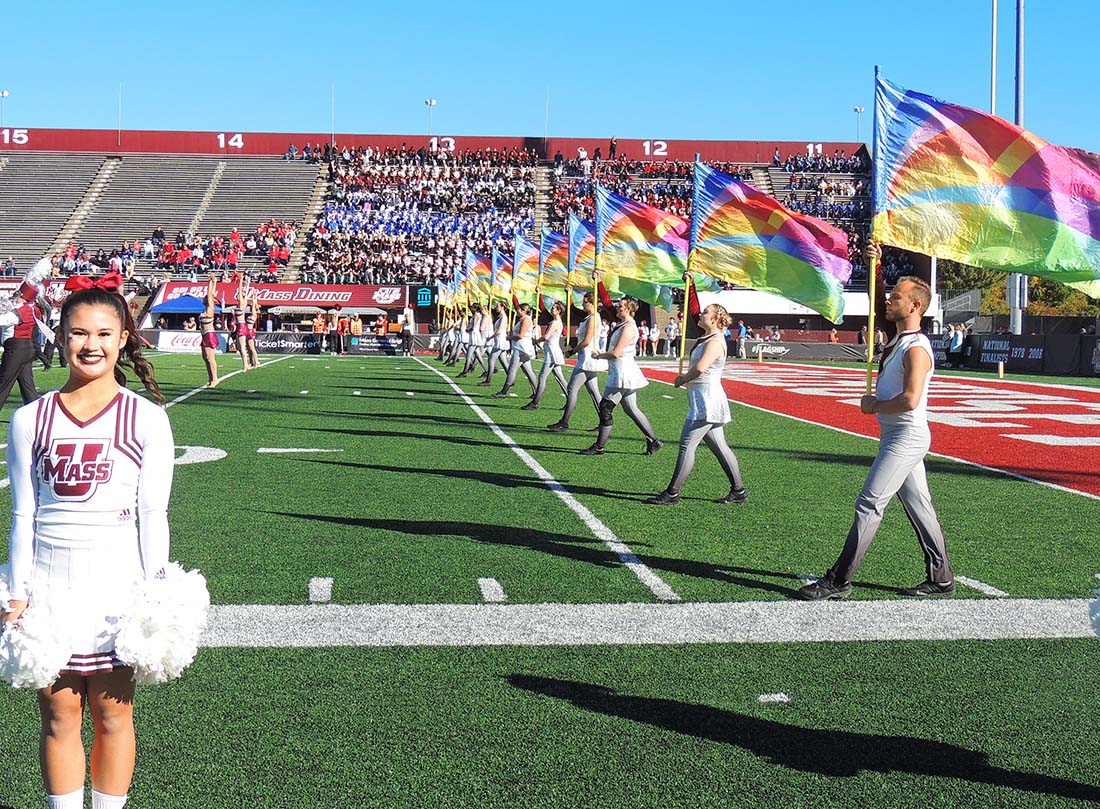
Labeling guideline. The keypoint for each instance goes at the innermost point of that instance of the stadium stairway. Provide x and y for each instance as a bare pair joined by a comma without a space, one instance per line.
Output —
91,197
762,180
292,272
544,195
145,192
38,194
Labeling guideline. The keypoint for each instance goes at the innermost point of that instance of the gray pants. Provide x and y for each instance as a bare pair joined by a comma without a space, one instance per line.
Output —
629,400
898,469
495,355
714,435
548,367
579,378
514,366
474,354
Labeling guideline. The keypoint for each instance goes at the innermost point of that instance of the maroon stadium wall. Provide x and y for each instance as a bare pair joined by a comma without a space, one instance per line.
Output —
275,143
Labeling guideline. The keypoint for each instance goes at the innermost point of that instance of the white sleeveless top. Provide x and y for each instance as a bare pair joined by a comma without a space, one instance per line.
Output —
551,347
623,372
706,399
500,336
525,344
585,360
477,336
891,379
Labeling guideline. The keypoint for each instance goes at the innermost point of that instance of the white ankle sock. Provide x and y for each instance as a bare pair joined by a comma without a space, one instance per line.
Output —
102,801
73,800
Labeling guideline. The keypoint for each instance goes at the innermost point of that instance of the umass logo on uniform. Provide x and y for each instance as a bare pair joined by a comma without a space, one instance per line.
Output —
74,469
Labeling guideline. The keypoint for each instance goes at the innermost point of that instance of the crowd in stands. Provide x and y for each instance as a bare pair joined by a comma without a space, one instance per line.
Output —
269,245
402,216
838,162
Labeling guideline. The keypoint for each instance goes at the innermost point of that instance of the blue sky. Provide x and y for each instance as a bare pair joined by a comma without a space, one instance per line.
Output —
721,70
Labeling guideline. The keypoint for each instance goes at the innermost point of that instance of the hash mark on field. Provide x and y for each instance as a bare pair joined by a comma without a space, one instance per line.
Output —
626,556
320,589
665,396
779,697
357,393
491,591
301,392
409,393
981,586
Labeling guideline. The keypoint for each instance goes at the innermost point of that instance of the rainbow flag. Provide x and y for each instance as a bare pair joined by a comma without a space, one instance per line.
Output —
639,241
502,275
742,236
478,276
961,184
582,252
554,260
525,272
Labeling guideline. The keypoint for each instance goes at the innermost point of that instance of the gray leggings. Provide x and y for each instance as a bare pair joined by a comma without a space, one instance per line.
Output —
514,365
548,367
495,355
714,436
579,378
629,400
474,354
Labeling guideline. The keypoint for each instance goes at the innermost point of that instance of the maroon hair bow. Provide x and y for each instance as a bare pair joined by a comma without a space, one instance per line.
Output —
112,282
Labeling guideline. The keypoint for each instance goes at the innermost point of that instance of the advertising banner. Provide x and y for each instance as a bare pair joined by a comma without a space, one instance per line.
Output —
180,342
322,296
286,342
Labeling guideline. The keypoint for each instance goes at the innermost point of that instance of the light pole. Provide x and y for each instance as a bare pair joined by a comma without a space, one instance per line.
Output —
858,111
430,102
3,95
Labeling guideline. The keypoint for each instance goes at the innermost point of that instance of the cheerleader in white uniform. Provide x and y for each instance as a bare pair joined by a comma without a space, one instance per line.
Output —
552,357
91,471
499,345
523,351
624,380
708,411
586,370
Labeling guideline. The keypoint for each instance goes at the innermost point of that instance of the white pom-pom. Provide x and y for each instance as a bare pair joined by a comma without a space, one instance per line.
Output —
5,586
1094,611
160,635
34,648
40,271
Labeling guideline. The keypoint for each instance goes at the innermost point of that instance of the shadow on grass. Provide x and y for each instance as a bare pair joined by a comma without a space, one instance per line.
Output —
501,479
552,543
832,753
449,439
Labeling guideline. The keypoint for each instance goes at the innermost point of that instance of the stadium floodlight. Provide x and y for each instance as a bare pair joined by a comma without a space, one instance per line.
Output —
858,111
3,95
430,102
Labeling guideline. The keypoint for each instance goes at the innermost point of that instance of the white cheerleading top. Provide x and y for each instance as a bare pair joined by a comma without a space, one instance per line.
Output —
623,372
706,399
486,328
891,379
585,358
551,346
89,504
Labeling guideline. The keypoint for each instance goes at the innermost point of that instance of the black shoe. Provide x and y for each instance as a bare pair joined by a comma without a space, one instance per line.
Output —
665,498
735,496
651,447
464,373
530,406
484,382
824,588
930,588
500,394
558,427
595,449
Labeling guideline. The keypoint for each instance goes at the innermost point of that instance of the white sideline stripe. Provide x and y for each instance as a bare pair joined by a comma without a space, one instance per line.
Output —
221,379
320,589
780,697
1004,472
626,556
273,450
981,586
315,625
491,591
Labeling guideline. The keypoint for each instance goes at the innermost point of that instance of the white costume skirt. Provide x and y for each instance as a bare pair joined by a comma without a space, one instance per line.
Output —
624,375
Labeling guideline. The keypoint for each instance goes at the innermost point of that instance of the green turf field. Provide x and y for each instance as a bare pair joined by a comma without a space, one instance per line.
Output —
420,500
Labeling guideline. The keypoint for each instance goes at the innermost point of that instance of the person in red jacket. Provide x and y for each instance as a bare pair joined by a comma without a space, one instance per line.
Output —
17,363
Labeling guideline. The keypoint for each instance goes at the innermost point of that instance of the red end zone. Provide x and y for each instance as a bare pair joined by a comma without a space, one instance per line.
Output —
1048,433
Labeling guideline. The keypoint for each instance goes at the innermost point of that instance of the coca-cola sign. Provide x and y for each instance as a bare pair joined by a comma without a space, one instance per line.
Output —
179,342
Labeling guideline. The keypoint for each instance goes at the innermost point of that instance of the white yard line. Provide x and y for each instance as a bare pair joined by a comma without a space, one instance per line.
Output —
491,591
981,586
221,379
626,556
277,450
312,625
